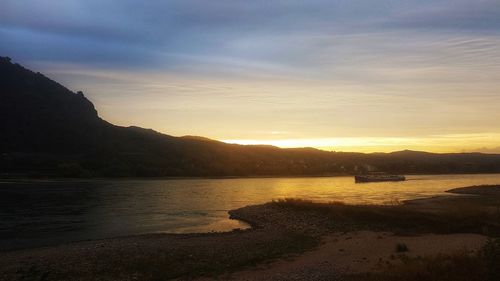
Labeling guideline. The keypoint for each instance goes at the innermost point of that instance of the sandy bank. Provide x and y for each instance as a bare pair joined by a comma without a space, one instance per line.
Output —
357,252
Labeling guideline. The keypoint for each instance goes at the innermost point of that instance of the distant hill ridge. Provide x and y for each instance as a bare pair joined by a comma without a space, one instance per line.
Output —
48,130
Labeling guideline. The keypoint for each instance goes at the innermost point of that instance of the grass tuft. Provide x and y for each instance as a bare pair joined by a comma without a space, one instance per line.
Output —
401,247
462,266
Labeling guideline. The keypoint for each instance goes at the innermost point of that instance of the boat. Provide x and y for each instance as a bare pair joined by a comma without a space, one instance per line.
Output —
378,178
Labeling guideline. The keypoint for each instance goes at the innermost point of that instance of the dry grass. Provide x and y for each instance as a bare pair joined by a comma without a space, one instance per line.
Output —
484,266
457,216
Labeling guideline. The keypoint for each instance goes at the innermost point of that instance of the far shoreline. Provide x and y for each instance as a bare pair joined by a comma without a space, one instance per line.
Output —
84,179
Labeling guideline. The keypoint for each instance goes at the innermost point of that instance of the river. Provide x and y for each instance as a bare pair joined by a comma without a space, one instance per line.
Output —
42,213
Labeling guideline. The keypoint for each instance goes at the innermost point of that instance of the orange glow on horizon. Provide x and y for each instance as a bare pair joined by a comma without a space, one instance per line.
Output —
489,143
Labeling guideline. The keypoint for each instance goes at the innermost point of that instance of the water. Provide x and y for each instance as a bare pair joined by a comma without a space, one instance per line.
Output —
34,214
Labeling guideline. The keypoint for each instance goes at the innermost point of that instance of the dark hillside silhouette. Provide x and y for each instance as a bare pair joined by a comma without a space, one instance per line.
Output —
40,115
48,130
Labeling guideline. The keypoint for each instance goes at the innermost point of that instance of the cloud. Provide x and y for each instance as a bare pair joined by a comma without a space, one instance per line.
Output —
457,15
232,69
168,32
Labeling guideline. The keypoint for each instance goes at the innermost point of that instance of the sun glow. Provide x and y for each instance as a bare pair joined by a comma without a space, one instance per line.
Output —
438,143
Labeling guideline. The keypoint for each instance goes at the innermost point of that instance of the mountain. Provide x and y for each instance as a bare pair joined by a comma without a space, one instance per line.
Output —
48,130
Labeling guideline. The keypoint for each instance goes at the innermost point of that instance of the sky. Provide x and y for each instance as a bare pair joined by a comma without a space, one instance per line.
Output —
342,75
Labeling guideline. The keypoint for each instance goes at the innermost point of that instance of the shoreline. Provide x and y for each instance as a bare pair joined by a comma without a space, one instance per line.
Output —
279,229
85,179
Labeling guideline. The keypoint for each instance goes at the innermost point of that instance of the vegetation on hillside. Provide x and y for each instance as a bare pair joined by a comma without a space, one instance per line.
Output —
48,130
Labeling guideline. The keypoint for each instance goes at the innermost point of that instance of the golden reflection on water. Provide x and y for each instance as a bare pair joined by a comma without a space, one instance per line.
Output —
217,196
56,212
240,192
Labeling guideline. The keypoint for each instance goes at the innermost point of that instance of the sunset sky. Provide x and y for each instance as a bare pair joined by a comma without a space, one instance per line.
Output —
344,75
